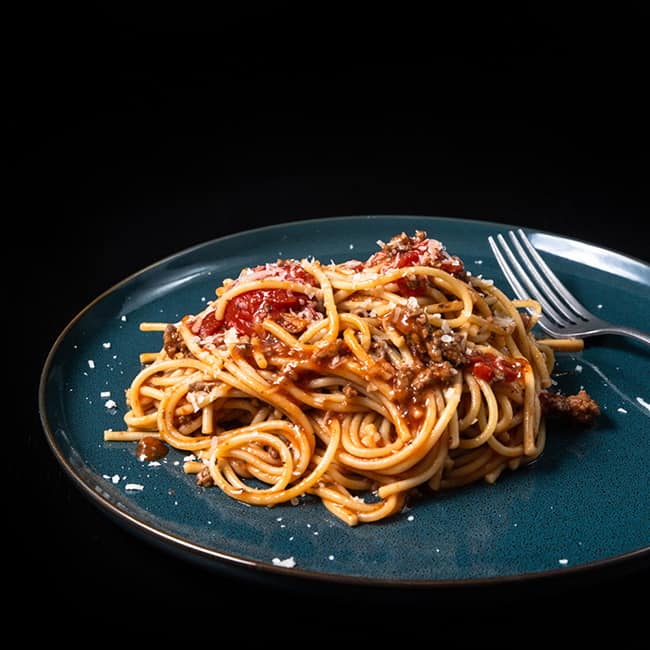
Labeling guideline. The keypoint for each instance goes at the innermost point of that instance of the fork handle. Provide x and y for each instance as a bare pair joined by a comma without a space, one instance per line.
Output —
627,331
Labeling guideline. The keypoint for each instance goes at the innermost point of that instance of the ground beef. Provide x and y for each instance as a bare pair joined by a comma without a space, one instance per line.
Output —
204,478
451,346
403,250
409,383
174,343
436,373
294,323
402,242
409,321
331,351
436,353
186,420
579,408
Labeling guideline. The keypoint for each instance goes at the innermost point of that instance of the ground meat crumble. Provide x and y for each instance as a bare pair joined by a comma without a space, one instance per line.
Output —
579,408
173,343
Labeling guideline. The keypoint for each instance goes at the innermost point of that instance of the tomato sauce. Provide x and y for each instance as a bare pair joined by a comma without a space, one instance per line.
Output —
247,311
419,254
489,367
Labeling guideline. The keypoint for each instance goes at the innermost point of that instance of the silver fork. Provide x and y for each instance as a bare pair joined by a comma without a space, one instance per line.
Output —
562,315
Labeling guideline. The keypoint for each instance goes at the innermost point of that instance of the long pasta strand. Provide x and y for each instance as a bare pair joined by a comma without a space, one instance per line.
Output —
359,383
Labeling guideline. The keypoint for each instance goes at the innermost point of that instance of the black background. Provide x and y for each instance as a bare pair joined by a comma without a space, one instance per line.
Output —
136,132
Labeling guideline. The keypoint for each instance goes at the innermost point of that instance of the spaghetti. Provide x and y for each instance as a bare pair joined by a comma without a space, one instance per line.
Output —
365,384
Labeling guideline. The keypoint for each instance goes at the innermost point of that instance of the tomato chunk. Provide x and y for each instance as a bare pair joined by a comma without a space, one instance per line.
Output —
247,311
404,251
489,367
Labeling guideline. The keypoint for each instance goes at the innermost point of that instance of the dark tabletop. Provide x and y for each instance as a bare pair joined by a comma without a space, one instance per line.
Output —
140,135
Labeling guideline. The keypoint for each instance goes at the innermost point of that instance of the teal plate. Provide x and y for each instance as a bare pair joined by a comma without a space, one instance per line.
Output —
583,504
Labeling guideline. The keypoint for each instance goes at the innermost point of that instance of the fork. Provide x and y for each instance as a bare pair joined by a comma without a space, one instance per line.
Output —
562,314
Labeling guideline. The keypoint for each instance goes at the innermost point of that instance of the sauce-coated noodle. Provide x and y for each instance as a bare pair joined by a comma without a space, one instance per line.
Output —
363,383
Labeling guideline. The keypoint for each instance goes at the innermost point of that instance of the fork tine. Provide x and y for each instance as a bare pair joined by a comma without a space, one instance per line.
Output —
519,290
530,289
524,287
560,309
558,286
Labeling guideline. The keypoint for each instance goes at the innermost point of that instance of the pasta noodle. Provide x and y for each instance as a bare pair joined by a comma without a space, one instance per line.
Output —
365,384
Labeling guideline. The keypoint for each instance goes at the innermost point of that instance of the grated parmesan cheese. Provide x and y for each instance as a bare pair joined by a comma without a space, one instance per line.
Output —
134,487
449,393
110,404
192,399
91,363
231,337
288,563
643,403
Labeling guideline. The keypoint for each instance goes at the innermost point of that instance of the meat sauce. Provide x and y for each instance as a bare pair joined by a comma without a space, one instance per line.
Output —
490,368
404,251
247,311
150,448
438,356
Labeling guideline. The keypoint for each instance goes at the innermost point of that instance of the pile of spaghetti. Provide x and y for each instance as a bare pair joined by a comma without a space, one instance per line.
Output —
366,384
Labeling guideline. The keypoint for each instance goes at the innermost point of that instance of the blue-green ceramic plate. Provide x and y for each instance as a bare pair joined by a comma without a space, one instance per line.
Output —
583,504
